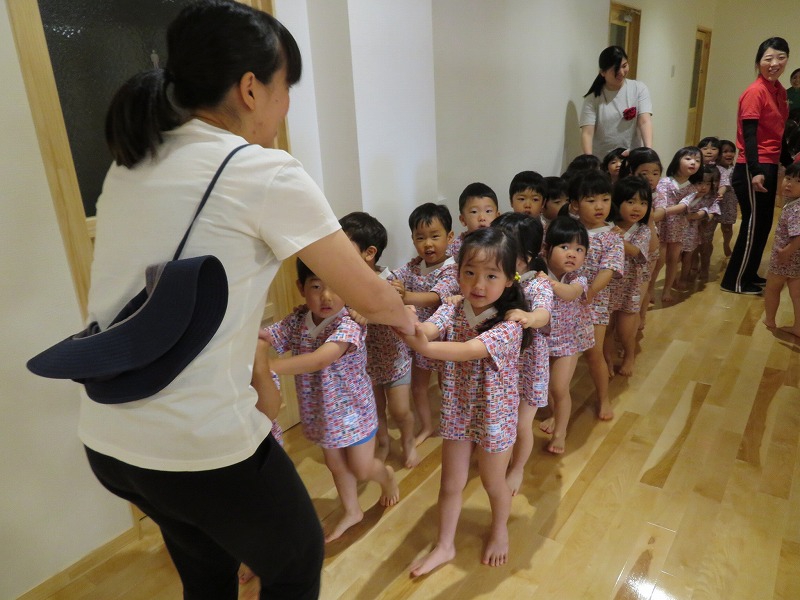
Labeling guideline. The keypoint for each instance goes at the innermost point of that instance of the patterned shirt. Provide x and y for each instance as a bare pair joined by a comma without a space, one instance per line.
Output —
787,228
337,406
480,398
534,364
571,329
388,357
606,251
669,193
625,292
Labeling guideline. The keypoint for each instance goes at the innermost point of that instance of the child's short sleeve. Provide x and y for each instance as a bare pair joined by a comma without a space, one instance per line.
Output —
793,222
284,331
348,331
614,256
443,319
539,294
447,283
641,239
503,342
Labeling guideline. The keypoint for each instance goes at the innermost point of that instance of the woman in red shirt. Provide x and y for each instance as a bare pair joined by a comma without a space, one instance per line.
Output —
763,110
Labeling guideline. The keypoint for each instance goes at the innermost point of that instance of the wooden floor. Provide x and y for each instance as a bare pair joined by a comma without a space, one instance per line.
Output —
692,491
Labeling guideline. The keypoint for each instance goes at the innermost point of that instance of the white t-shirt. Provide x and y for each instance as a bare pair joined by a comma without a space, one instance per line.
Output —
263,209
605,112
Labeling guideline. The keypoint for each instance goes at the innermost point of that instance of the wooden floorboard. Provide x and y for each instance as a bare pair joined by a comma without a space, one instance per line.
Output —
692,491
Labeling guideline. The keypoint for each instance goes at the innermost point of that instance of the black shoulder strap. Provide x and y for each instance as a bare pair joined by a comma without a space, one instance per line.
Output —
205,198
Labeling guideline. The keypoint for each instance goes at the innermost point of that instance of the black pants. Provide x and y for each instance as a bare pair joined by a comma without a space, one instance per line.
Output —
256,511
757,210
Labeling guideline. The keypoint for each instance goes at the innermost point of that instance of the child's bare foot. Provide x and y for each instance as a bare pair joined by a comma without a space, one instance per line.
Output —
611,372
770,324
726,248
703,276
548,425
435,558
680,286
514,480
626,368
245,574
666,298
556,444
496,552
604,410
794,329
345,523
390,491
382,450
423,435
410,456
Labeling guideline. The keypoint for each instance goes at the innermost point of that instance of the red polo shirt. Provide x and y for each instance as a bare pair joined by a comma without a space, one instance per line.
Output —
767,103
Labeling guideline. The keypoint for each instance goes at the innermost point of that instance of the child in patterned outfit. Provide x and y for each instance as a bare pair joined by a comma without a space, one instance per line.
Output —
555,196
526,193
388,358
612,162
784,262
700,220
337,407
711,148
431,232
534,370
682,172
481,394
728,206
571,329
477,208
644,162
632,200
590,200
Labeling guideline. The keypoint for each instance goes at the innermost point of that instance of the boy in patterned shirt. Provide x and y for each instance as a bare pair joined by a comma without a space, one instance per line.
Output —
388,357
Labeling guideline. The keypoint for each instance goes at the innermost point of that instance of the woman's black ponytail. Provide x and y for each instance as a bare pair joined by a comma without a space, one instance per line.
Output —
610,57
139,113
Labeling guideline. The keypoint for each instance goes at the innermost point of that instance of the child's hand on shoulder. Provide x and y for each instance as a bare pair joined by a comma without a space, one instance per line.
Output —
263,335
616,229
518,316
399,286
453,300
589,298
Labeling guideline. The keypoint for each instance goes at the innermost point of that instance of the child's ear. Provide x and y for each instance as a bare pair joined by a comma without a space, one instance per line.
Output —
300,288
370,253
461,220
450,236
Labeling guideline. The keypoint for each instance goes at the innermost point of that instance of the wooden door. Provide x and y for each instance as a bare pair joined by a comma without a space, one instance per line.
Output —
694,120
623,31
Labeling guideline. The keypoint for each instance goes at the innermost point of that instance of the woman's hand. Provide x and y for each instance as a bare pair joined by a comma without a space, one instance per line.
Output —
758,183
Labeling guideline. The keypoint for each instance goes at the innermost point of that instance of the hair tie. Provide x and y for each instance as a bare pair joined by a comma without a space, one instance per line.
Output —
517,277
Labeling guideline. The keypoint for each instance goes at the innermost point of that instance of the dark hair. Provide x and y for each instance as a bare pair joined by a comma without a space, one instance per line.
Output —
555,187
365,230
527,232
615,153
610,57
709,141
527,180
638,157
497,244
476,190
795,72
714,172
303,272
581,163
675,164
778,43
588,183
627,188
211,44
723,143
793,170
426,213
563,230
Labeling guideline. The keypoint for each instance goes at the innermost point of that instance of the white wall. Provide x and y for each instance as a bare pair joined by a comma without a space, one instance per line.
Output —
52,510
739,27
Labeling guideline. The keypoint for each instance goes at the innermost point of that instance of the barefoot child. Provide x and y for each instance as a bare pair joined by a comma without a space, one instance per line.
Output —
632,199
480,400
784,262
431,231
590,200
696,255
337,407
477,208
728,205
534,371
682,172
388,358
571,330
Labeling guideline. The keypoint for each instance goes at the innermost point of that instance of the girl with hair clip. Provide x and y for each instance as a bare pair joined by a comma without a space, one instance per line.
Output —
612,163
632,200
534,372
644,162
616,111
571,329
699,233
670,204
480,398
590,200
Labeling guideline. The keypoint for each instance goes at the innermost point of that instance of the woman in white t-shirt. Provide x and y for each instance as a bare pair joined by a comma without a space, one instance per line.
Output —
197,457
616,111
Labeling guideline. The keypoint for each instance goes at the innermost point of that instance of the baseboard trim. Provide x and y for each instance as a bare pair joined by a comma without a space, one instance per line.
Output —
59,581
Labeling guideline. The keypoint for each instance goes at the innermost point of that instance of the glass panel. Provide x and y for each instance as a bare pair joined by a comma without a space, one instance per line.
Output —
698,55
94,47
617,35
